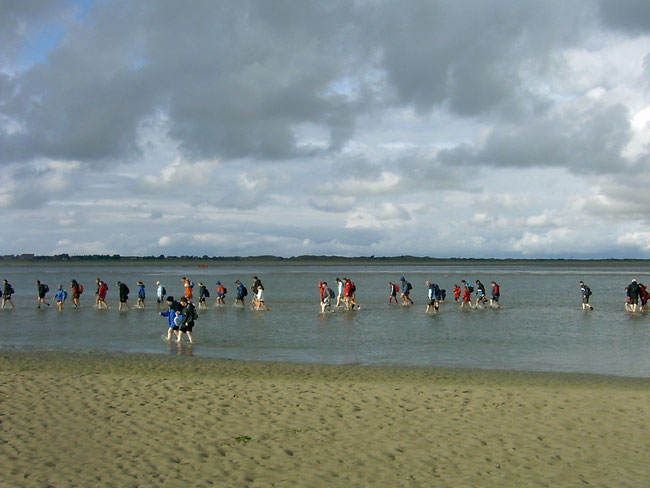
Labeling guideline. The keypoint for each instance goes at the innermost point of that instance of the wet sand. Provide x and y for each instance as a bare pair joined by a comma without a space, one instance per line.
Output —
122,420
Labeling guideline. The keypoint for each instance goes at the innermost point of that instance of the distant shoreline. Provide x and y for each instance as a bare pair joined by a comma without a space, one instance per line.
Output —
311,260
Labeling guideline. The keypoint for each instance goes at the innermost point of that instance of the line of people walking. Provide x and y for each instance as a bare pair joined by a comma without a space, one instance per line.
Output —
60,295
345,295
637,295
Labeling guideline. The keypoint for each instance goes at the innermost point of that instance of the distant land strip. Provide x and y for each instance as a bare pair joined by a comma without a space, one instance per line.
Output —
11,259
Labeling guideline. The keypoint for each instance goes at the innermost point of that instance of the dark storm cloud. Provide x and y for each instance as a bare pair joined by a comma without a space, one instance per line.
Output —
21,22
626,15
588,141
233,78
236,78
468,55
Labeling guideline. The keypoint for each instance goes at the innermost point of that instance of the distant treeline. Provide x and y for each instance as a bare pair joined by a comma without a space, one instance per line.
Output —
304,259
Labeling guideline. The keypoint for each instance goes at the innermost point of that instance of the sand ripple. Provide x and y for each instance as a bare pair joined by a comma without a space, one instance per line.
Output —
130,421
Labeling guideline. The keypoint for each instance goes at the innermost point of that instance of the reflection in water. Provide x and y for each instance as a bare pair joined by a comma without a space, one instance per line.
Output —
180,348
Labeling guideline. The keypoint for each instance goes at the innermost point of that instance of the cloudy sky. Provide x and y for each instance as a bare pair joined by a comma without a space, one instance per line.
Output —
472,128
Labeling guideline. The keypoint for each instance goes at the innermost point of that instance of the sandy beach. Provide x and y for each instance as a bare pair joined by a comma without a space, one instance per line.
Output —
118,420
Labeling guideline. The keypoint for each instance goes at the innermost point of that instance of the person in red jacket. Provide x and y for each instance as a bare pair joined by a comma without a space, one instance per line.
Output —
467,295
348,294
101,295
188,285
643,297
496,294
456,292
221,293
392,292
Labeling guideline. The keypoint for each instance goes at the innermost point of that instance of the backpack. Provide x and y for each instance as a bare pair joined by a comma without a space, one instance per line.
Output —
470,288
587,291
80,289
352,287
164,291
409,286
225,290
396,288
194,314
191,284
244,291
206,293
46,288
332,295
11,290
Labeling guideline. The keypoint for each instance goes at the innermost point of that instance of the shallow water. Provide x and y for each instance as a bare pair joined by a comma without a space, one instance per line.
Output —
540,327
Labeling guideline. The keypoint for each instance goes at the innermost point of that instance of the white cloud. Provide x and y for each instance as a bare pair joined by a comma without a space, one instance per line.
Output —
640,240
532,243
356,186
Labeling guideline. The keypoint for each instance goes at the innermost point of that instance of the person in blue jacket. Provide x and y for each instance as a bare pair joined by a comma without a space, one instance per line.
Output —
241,293
141,296
433,296
405,291
60,296
171,313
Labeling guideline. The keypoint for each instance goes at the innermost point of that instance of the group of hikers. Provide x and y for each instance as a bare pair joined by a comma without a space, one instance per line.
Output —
60,296
436,295
399,293
636,297
76,289
346,289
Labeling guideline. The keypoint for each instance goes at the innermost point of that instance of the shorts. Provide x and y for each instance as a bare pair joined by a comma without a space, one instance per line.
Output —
480,294
220,295
187,327
74,295
202,300
159,300
239,297
124,300
495,298
633,301
431,301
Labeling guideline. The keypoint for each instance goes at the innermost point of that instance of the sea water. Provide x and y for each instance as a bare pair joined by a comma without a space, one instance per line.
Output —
540,327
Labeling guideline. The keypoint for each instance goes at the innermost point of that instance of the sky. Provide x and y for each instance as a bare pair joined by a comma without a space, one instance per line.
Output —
472,128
